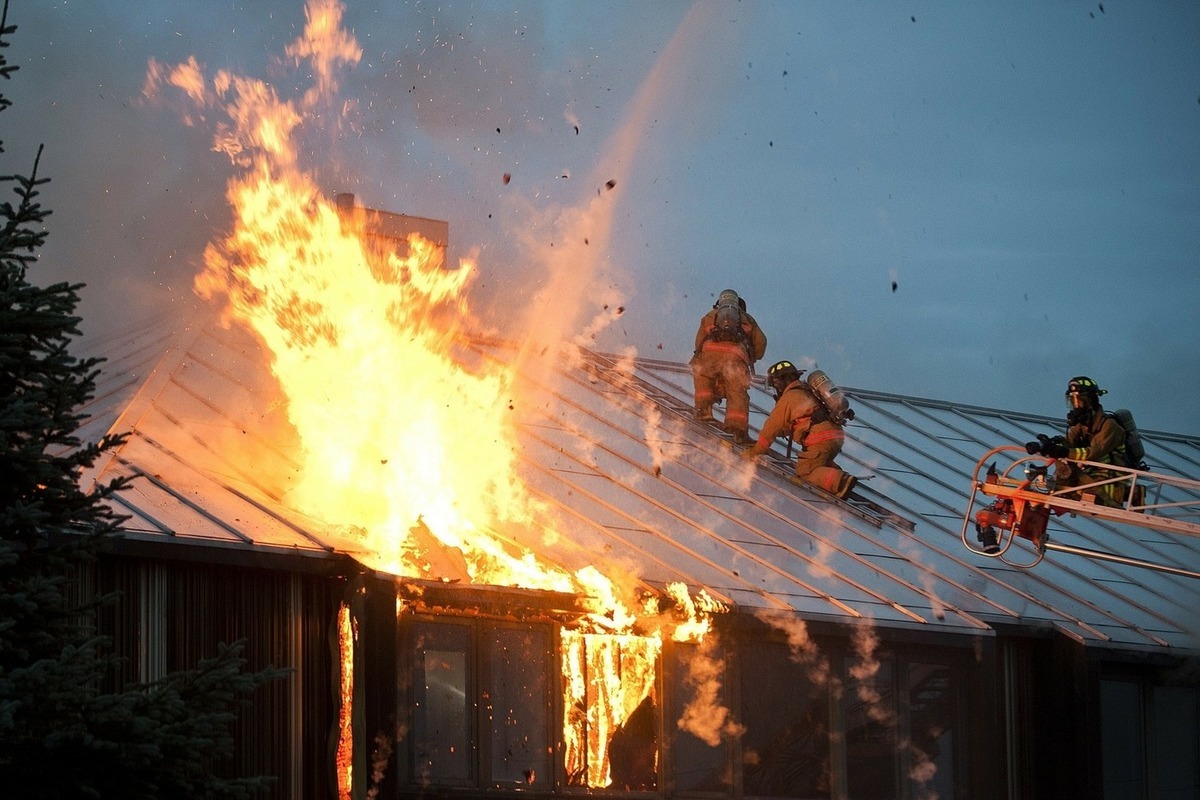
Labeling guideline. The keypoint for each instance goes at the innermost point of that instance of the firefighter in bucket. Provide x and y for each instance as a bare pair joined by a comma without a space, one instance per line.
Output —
1092,435
728,342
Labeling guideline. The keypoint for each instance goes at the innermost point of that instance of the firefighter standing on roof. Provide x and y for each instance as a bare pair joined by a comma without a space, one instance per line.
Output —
798,413
728,342
1092,435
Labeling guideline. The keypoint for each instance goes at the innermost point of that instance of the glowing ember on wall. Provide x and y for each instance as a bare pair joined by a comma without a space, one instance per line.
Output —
344,759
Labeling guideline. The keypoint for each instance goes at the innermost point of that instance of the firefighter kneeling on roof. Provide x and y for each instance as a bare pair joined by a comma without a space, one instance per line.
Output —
728,342
801,415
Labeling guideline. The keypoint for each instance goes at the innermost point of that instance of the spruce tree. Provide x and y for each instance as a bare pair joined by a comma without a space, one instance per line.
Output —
61,735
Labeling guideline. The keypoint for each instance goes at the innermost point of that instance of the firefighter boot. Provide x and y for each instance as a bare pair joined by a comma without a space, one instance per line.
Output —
987,537
740,437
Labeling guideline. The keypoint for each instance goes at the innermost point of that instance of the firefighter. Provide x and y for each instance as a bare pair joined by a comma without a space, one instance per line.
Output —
798,413
728,342
1092,435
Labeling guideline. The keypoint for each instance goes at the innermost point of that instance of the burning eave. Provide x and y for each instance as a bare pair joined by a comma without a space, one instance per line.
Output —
499,602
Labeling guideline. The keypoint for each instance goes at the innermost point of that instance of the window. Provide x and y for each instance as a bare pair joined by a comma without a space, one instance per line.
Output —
1175,742
786,745
516,705
611,716
442,703
901,718
469,676
1150,740
871,732
487,707
701,753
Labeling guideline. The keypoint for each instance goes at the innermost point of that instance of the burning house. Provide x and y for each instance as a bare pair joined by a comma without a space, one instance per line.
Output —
648,614
506,567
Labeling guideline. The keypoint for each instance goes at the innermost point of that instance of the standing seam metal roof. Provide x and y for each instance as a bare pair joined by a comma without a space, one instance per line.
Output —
609,443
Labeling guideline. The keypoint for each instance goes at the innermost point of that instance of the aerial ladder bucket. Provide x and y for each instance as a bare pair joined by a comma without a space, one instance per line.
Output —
1016,503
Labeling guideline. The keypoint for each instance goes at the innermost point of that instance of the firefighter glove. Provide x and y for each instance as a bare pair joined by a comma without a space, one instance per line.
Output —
1054,449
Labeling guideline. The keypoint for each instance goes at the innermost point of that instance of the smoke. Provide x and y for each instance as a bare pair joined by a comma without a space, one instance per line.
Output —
865,672
704,716
581,295
803,650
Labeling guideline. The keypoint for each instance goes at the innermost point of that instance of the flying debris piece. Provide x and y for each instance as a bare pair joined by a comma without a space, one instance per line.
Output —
507,178
1101,7
585,240
620,309
914,19
610,184
893,286
497,130
576,130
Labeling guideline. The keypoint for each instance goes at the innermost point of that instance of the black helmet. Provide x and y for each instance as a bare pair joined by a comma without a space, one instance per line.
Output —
780,375
1083,398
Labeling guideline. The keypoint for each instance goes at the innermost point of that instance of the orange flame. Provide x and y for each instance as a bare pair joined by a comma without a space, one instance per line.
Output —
344,760
407,440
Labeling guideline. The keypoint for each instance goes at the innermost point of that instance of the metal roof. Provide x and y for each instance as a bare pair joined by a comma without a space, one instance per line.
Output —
610,444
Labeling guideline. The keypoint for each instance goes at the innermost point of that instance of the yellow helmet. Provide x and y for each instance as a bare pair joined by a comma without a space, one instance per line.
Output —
1083,392
781,374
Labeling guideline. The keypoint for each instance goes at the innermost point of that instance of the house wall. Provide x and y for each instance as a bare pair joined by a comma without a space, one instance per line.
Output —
172,612
902,715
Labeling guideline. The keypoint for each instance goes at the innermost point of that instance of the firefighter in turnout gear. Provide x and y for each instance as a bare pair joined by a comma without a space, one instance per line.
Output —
800,414
1092,435
728,342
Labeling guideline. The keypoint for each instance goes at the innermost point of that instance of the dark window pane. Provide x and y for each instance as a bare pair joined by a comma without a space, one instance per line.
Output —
701,754
1176,738
933,713
871,752
442,703
1121,740
786,743
518,705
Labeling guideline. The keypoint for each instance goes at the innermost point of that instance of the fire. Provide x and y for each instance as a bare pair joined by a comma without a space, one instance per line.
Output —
347,635
407,446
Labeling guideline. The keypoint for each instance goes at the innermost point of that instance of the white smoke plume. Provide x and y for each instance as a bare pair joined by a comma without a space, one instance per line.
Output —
803,650
704,716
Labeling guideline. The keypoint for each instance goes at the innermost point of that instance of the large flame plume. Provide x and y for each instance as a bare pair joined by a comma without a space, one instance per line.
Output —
407,446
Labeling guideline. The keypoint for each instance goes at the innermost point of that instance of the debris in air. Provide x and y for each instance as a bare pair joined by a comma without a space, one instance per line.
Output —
507,178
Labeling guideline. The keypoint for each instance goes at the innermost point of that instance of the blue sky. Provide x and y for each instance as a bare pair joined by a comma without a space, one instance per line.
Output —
1027,174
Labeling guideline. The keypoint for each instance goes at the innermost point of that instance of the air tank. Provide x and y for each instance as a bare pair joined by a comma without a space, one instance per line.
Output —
830,396
1135,453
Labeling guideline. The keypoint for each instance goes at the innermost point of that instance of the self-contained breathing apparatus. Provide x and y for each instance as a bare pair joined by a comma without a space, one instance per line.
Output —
781,374
727,324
